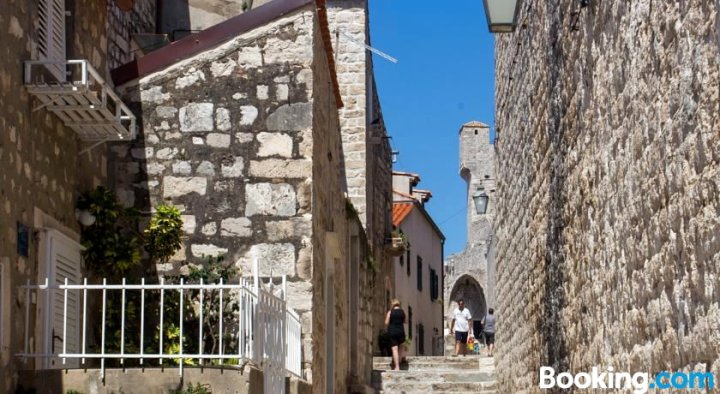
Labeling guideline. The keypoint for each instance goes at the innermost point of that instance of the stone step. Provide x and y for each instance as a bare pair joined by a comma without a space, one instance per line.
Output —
433,387
441,374
488,391
450,362
444,376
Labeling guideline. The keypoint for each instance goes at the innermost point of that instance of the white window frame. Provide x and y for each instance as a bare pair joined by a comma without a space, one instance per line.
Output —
51,41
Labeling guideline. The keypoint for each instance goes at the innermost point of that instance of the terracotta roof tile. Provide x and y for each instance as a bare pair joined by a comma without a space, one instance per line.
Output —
400,212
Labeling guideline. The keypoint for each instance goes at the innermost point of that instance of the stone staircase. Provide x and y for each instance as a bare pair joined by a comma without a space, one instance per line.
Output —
471,374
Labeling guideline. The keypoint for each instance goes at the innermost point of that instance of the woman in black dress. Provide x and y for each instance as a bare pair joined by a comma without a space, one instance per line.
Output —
395,322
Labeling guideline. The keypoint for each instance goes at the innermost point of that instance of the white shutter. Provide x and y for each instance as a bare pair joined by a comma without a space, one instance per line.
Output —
64,262
51,35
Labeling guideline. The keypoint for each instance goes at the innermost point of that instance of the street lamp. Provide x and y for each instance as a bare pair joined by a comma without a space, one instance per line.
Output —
480,198
502,15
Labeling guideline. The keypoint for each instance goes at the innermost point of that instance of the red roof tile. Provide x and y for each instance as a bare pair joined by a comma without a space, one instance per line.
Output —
400,212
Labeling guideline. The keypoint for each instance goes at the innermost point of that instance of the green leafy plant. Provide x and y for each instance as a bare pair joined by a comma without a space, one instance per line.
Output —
112,243
193,389
399,235
372,264
211,272
163,235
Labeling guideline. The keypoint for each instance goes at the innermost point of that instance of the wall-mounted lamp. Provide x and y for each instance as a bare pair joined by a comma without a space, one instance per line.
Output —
85,217
481,199
395,155
502,15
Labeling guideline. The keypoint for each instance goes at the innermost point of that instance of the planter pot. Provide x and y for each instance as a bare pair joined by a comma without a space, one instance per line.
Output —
396,247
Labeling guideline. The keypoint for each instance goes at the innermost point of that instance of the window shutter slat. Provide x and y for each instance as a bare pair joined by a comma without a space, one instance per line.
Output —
51,35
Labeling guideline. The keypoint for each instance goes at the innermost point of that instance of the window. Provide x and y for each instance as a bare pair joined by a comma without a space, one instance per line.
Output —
51,35
419,273
409,321
434,293
408,260
421,340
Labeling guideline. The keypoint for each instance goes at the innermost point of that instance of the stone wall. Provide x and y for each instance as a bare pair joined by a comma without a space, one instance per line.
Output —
43,172
467,271
368,166
123,24
609,168
227,137
245,140
181,18
247,379
329,220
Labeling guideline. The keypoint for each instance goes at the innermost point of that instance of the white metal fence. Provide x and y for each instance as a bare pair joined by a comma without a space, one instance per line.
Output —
242,321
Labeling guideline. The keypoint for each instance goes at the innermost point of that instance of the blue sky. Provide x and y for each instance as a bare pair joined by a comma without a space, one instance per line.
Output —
444,78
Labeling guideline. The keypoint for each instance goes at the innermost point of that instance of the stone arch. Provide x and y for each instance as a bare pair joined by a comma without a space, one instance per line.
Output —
468,288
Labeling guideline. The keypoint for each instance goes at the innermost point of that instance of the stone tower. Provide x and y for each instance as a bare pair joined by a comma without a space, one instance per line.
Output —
470,274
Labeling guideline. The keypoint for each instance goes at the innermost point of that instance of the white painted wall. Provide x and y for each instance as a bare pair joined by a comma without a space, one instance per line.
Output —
426,243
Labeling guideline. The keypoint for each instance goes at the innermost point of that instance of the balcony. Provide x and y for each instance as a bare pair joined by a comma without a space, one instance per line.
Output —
83,101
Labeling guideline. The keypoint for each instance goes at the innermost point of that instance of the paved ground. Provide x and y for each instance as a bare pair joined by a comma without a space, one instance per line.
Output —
471,374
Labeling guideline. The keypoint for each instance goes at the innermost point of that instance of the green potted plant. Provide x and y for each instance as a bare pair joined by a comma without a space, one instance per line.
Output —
398,243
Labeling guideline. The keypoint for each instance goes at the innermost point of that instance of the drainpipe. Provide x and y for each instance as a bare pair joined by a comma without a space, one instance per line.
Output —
441,293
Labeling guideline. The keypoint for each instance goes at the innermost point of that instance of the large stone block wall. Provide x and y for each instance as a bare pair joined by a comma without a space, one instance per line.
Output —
609,183
227,138
42,170
245,140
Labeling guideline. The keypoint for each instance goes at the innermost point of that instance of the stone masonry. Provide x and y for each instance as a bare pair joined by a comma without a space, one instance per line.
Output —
467,273
123,24
42,170
609,167
368,166
244,139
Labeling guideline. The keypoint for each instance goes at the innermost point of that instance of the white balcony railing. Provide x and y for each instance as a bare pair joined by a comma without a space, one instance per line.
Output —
83,101
244,321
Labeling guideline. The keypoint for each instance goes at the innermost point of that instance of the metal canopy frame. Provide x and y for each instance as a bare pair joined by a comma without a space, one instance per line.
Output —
85,103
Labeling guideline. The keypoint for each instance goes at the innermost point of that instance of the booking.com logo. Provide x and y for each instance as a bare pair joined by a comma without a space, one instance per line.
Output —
639,382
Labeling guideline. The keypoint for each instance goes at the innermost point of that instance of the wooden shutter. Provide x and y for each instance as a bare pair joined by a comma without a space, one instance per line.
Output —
65,258
51,35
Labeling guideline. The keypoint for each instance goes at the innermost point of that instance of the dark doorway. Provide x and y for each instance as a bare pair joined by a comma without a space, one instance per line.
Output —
469,290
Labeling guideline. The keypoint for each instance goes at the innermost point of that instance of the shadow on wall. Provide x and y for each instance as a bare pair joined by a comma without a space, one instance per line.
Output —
555,351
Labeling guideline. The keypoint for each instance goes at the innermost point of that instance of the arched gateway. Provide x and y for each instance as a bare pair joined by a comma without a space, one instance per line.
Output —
469,290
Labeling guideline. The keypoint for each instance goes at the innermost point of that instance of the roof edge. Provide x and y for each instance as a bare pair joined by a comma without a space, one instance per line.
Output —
204,40
327,41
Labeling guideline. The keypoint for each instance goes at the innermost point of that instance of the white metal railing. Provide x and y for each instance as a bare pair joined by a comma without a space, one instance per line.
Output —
86,102
271,341
294,344
258,324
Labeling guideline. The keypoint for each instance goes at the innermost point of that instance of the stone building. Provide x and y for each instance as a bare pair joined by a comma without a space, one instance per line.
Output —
609,164
242,127
368,164
417,267
469,274
244,133
44,156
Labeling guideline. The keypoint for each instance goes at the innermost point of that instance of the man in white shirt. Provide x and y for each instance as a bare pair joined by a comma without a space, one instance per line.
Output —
461,326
